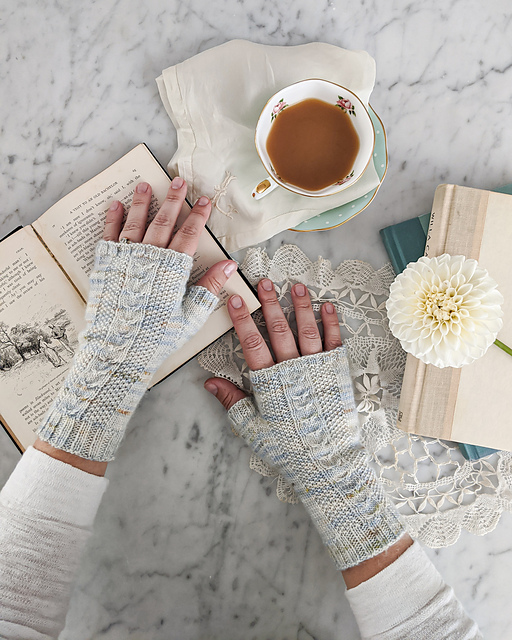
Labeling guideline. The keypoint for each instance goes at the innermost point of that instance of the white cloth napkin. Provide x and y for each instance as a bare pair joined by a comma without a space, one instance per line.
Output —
214,100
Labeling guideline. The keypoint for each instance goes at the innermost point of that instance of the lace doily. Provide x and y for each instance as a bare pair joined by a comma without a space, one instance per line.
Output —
436,489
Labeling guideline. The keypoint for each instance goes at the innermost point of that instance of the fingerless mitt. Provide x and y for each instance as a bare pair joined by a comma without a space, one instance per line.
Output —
303,422
139,312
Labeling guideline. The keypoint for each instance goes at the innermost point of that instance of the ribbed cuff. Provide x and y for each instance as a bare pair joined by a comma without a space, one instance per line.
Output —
145,251
53,490
79,437
244,420
335,359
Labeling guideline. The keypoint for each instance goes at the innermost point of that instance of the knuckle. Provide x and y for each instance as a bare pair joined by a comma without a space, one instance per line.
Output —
138,201
333,343
203,211
188,231
229,399
132,225
160,220
271,300
215,283
252,342
309,332
278,326
302,304
173,196
242,314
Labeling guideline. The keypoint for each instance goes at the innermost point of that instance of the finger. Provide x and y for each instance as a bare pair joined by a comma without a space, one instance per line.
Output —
187,236
216,277
307,329
281,336
256,352
135,223
160,230
113,221
332,335
226,392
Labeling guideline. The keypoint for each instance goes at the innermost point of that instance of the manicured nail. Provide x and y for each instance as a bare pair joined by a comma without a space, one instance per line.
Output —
211,387
203,200
300,290
142,187
329,308
267,285
236,302
230,269
114,205
177,182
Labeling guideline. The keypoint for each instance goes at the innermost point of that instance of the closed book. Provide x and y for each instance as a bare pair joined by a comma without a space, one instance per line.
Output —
470,404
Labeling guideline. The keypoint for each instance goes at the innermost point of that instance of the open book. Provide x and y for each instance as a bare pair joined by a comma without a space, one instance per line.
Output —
44,280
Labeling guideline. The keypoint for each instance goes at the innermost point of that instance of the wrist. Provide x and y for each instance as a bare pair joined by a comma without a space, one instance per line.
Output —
93,467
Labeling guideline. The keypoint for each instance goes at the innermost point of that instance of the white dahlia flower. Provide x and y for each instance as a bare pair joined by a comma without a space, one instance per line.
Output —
446,311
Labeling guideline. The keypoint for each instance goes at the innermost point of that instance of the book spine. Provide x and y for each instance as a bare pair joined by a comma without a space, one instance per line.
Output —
414,414
393,250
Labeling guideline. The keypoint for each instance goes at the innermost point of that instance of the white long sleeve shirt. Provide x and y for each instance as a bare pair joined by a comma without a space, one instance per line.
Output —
47,510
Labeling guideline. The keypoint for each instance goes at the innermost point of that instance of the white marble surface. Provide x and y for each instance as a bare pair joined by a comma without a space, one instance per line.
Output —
189,543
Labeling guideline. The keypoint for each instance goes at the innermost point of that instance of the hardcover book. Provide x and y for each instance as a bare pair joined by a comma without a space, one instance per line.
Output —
468,404
44,280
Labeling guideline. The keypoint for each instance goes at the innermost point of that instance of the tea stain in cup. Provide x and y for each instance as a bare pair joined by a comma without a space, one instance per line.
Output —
313,144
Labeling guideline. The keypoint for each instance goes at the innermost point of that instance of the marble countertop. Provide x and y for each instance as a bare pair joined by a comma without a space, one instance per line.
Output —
190,543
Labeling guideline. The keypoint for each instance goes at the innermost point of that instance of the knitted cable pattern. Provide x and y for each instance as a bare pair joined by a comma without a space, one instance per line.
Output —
139,312
304,423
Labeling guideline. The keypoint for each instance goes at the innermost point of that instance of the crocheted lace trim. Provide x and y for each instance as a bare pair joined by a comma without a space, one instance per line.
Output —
434,487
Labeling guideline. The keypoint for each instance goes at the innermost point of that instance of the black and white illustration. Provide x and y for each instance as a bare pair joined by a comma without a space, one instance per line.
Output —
40,344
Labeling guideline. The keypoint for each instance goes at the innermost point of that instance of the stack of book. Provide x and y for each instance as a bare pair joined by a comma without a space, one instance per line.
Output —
467,405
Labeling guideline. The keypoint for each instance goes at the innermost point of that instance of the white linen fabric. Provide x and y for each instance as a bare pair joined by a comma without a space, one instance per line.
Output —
47,509
214,100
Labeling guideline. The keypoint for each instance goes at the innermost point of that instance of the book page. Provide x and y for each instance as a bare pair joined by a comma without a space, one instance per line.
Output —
40,317
72,227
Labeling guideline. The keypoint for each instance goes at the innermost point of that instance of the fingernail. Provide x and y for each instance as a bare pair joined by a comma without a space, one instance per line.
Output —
114,205
267,285
177,182
236,302
300,290
203,200
230,269
142,187
211,387
329,307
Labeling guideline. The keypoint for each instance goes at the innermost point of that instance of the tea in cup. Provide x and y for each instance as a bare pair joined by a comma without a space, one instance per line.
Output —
314,138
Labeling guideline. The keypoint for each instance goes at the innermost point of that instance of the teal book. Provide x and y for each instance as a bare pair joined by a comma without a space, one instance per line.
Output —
404,243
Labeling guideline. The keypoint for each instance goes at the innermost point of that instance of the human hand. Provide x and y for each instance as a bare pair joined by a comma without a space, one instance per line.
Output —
303,422
160,232
256,352
141,308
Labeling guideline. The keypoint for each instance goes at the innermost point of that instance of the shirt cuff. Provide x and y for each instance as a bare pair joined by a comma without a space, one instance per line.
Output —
53,490
395,594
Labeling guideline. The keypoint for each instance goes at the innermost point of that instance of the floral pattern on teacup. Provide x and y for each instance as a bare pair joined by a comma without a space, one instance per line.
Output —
346,106
277,109
346,178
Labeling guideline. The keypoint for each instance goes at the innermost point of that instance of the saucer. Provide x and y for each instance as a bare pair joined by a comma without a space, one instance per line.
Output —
338,216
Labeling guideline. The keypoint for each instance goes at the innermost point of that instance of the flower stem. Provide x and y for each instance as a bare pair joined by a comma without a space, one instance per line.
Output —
506,349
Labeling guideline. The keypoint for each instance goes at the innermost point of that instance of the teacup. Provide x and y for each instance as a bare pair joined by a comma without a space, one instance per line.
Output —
330,93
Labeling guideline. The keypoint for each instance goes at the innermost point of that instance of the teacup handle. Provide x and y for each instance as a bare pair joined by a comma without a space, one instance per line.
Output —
264,188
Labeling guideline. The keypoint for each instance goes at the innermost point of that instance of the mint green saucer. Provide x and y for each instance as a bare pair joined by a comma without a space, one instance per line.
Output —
336,217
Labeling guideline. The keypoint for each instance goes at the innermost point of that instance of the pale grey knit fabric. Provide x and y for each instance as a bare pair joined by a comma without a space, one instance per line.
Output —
139,312
304,423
